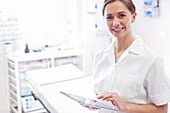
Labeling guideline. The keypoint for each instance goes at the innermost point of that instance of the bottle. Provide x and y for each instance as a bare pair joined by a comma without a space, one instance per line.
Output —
26,48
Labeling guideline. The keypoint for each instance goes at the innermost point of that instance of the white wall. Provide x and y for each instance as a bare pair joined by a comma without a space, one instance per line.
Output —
50,22
155,31
94,38
8,8
3,81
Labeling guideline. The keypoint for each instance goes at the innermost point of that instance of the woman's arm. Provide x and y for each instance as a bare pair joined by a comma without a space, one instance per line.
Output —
132,108
146,108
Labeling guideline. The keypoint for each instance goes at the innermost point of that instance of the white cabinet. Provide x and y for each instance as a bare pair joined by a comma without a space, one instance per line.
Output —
20,97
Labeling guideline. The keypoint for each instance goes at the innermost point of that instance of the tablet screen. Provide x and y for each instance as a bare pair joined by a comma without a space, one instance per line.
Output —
89,102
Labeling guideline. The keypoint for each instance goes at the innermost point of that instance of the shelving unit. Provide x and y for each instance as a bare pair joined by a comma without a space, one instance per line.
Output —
20,97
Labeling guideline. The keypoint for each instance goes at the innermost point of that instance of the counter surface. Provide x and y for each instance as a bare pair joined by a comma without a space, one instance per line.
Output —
53,75
48,83
57,103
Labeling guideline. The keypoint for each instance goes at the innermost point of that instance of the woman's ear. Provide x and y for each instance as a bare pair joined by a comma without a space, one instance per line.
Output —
134,17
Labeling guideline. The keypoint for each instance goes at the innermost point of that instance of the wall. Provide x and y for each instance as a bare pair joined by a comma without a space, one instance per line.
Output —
3,80
47,22
8,9
95,37
155,31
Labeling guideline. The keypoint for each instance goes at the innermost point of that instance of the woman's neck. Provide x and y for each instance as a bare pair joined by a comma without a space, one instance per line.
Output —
122,44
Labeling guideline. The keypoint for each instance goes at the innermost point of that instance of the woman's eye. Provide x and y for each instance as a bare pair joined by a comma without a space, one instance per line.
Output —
122,15
109,17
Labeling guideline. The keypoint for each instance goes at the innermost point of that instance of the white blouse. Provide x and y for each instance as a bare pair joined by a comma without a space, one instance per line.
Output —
138,76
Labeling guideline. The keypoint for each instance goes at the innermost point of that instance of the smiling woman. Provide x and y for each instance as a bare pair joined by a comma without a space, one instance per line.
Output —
128,73
119,22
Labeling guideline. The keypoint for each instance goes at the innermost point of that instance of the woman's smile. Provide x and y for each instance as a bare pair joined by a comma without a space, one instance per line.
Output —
118,29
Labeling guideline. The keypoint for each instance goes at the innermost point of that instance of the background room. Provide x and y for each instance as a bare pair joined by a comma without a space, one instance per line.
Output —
61,32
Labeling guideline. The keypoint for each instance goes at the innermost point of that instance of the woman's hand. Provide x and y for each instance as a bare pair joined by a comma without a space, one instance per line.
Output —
132,108
115,99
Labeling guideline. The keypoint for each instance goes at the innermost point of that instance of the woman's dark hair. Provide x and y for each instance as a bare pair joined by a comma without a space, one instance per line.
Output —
128,3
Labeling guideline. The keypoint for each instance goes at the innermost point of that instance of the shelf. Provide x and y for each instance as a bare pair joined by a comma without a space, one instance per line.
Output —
11,73
12,87
13,95
20,91
14,110
13,101
33,65
12,80
10,65
92,13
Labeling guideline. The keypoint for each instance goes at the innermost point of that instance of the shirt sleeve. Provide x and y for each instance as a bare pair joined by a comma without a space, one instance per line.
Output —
157,83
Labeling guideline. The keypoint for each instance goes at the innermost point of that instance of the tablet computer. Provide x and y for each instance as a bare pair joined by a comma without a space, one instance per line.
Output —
89,102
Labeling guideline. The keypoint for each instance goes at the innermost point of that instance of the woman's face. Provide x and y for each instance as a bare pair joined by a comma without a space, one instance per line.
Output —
119,19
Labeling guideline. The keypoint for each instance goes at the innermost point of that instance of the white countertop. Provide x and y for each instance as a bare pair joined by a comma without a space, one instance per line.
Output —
49,82
57,103
52,75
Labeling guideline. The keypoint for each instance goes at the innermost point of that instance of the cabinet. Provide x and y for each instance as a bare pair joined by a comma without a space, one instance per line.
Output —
20,96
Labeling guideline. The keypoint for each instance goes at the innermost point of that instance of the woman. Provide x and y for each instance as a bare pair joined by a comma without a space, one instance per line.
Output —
128,73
